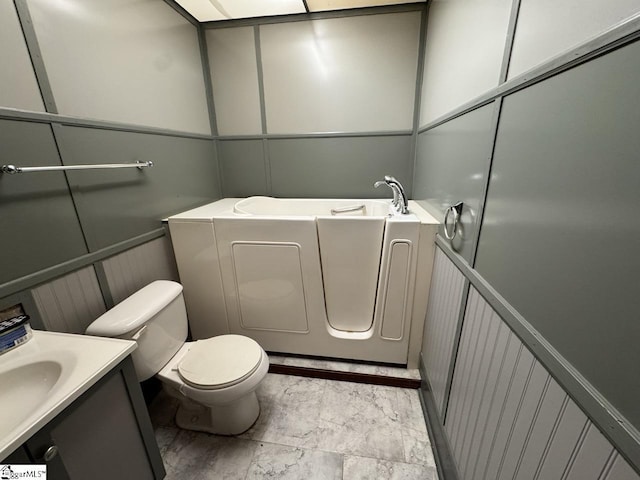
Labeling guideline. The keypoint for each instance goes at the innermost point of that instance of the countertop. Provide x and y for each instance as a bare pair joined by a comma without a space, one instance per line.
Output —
83,360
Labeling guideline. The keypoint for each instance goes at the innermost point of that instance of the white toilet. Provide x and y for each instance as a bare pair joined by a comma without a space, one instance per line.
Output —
214,379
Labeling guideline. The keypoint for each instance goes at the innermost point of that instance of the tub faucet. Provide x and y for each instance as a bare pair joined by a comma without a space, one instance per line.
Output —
400,202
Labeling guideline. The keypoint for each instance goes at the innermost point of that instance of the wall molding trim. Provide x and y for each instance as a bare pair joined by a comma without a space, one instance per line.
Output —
445,464
31,40
36,278
41,117
622,434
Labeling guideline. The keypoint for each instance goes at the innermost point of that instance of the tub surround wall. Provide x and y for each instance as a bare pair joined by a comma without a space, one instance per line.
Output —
263,275
554,198
349,80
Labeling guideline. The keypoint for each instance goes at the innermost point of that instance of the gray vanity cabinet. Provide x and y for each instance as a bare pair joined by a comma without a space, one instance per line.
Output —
105,434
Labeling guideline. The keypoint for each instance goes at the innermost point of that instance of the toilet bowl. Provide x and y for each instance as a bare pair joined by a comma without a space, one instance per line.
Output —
214,379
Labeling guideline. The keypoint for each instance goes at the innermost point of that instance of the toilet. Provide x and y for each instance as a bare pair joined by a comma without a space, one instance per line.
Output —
214,379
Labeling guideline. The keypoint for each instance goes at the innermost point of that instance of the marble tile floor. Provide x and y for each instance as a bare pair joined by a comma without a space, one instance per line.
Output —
308,429
345,366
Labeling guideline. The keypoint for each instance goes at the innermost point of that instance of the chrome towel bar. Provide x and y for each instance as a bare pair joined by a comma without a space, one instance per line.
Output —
11,169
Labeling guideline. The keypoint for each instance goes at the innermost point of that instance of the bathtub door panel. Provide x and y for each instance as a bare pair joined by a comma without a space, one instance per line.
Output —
395,295
350,250
271,278
269,284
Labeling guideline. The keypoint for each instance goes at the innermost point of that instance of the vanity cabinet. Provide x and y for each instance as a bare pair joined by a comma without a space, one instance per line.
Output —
105,434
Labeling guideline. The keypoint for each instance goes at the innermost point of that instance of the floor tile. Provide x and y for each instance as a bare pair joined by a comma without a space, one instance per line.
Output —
361,468
199,455
289,411
165,437
292,463
308,428
360,419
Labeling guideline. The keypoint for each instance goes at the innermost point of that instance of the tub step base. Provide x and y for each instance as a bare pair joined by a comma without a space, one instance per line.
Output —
345,376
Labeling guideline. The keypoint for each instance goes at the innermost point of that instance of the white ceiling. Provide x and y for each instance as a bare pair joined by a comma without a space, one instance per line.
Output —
215,10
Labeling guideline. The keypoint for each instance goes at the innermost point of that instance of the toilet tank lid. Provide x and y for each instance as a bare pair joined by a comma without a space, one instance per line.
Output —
134,311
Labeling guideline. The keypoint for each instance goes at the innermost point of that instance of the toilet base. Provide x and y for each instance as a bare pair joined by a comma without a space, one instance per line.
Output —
232,419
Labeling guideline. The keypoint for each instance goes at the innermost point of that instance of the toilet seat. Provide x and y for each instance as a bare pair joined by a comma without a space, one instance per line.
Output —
220,362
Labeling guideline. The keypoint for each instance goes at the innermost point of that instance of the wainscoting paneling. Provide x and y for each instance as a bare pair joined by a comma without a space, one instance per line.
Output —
70,303
509,419
620,469
131,270
442,317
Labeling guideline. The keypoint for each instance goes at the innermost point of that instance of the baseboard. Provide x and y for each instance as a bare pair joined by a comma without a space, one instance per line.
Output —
345,376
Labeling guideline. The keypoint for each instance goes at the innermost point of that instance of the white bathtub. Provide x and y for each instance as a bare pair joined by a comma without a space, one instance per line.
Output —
270,206
325,277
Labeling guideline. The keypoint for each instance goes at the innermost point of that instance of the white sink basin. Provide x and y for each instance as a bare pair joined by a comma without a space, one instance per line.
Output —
42,377
25,387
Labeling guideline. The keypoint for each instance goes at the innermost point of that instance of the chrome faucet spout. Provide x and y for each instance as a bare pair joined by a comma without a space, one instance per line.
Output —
400,202
393,189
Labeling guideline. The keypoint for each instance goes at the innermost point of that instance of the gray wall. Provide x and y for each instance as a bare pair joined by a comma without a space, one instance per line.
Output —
316,106
451,167
552,243
562,215
523,145
61,227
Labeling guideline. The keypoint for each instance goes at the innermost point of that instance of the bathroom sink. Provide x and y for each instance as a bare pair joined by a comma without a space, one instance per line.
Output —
24,388
40,378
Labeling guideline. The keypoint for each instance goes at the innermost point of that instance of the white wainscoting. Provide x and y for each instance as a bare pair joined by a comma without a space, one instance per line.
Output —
129,271
440,327
509,419
70,303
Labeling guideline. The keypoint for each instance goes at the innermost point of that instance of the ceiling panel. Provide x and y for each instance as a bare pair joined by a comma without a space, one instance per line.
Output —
216,10
326,5
213,10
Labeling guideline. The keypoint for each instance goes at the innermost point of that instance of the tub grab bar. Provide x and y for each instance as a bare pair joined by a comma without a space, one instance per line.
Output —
354,208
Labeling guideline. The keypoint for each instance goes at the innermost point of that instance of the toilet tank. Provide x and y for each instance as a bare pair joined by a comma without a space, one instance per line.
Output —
155,317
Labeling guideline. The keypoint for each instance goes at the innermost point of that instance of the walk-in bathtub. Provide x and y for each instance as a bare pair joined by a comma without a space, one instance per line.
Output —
324,277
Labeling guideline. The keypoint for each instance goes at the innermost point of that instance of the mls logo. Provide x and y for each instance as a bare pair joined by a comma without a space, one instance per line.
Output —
11,472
